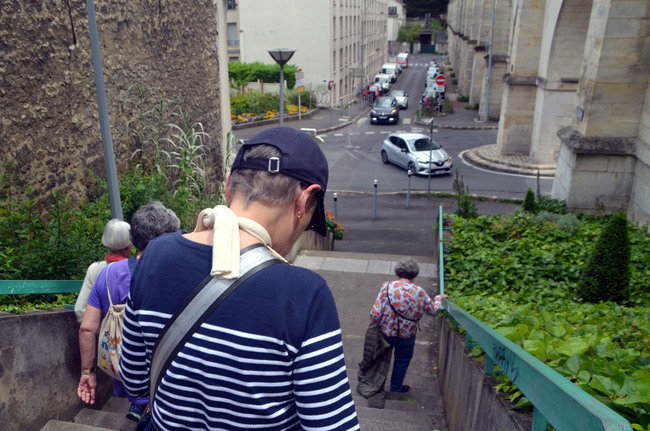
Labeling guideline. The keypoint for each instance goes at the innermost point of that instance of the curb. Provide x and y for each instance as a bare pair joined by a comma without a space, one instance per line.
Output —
271,121
474,158
453,127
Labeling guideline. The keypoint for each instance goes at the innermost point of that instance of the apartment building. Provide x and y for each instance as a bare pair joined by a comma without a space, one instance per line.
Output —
337,43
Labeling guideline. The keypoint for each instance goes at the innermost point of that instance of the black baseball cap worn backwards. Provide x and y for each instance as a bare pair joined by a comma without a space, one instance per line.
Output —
301,158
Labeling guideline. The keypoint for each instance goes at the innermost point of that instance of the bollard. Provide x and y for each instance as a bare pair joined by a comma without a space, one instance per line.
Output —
374,205
336,213
408,189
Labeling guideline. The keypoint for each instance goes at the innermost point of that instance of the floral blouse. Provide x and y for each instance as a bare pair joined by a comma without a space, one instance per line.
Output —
409,300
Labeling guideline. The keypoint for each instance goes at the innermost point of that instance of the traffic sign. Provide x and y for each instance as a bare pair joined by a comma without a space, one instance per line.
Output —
441,80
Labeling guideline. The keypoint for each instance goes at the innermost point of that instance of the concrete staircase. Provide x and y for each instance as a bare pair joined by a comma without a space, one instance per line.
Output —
110,417
354,279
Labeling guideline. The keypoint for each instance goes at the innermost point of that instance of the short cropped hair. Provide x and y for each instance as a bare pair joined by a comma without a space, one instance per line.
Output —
116,235
151,221
407,268
274,188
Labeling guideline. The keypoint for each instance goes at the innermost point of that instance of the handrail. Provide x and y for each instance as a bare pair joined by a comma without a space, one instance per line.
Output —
441,266
26,287
555,399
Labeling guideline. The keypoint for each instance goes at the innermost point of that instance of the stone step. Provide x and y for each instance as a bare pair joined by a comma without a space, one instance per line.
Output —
105,419
110,417
56,425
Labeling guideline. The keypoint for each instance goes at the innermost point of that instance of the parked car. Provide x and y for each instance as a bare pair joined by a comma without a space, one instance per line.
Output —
403,59
416,152
390,69
383,81
372,91
384,110
402,98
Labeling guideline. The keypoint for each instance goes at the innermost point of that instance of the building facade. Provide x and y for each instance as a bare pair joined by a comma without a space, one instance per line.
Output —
338,43
568,81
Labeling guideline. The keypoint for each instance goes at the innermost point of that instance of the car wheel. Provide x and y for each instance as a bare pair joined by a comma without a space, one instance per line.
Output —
411,167
406,106
384,157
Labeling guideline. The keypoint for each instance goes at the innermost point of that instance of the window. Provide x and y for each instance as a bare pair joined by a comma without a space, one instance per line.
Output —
232,4
233,39
392,11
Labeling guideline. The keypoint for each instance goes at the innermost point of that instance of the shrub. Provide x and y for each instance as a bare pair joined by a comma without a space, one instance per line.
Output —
465,207
447,106
529,202
606,277
462,98
454,81
548,204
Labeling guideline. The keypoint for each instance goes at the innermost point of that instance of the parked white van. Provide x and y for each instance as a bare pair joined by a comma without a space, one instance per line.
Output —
383,81
390,69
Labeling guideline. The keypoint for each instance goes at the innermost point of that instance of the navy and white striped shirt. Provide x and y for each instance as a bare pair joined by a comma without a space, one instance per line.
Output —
270,357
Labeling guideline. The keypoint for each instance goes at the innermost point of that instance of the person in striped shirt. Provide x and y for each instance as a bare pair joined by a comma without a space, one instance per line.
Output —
270,357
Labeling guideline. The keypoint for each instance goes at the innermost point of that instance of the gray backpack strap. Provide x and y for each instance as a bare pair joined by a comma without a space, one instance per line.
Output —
205,298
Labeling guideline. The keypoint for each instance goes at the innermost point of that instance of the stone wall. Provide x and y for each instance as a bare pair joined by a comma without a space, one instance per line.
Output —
49,123
39,370
470,400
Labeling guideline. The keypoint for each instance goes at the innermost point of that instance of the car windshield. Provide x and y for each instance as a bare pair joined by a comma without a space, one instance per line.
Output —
383,102
423,144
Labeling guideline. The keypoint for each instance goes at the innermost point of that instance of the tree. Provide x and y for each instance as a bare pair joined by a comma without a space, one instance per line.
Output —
607,274
409,34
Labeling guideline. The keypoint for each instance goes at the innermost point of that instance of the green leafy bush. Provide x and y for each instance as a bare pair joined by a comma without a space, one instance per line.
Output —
606,276
518,273
241,73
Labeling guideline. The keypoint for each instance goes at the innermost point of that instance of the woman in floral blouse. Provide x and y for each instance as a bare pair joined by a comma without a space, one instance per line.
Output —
397,310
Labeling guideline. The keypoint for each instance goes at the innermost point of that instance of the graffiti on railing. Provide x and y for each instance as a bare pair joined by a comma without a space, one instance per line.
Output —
506,360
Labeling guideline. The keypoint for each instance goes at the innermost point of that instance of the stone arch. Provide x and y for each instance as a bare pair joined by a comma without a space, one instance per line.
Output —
560,68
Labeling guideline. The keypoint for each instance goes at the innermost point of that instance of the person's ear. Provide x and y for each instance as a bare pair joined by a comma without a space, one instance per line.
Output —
226,189
303,202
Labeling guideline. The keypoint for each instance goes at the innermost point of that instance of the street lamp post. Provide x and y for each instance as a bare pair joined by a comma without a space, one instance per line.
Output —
281,56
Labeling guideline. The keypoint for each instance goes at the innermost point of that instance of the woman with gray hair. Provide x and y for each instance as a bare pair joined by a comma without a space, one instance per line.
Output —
397,310
117,240
148,222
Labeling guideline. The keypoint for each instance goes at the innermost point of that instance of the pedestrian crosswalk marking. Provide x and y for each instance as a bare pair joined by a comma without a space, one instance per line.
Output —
406,121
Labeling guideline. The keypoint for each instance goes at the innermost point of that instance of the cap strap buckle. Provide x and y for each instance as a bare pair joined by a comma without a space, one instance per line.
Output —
274,165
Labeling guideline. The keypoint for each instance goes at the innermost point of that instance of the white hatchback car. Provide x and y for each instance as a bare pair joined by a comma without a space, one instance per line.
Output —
417,153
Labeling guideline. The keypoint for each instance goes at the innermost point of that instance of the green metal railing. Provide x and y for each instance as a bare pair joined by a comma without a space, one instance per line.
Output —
555,399
27,287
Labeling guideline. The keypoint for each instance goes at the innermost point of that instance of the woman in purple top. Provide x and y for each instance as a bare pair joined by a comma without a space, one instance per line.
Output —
149,222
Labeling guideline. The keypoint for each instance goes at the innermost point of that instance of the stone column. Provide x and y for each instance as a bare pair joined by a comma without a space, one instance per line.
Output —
562,55
520,81
599,164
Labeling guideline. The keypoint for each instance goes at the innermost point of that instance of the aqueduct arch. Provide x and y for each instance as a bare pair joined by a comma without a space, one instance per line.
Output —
573,91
